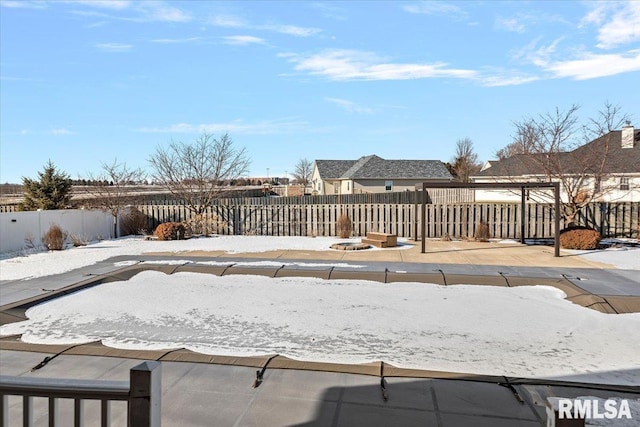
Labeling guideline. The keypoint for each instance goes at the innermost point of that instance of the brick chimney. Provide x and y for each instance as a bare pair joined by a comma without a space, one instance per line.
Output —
627,135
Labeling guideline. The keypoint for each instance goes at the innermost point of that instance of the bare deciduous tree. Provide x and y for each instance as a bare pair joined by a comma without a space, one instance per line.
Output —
609,119
302,172
551,146
114,188
523,141
196,172
465,163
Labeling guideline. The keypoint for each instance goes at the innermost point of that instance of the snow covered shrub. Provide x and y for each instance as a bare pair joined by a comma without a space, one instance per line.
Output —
579,238
344,226
54,238
204,224
482,232
78,240
30,241
170,231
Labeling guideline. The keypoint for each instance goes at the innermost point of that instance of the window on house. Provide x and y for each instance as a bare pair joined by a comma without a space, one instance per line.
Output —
597,185
348,186
388,185
336,187
624,184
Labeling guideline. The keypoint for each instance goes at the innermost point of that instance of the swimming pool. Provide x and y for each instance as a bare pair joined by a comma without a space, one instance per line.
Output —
524,331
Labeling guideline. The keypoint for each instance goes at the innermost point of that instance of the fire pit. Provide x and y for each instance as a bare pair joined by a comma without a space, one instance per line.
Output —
350,246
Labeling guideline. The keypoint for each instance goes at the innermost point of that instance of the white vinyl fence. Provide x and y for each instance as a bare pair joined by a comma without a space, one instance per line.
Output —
18,227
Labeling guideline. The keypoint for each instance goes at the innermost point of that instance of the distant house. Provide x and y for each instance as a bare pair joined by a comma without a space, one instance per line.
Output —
372,174
611,164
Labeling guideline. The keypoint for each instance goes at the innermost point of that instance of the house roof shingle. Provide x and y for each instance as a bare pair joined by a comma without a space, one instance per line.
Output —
333,169
374,167
578,161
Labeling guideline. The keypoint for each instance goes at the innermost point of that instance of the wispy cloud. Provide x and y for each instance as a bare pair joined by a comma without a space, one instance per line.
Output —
292,30
19,79
55,132
349,106
97,24
580,64
513,24
61,131
348,65
177,41
523,21
23,4
434,8
232,21
243,40
103,4
506,78
330,10
228,21
266,127
114,47
159,12
343,65
132,11
538,55
617,23
591,65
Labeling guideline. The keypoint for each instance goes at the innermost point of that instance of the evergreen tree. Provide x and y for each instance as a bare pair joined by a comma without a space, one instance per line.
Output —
52,190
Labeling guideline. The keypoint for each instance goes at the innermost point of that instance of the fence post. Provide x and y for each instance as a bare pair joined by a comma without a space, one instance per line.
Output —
145,394
523,203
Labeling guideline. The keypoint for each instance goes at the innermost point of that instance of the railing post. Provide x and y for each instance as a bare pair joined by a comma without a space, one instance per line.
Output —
27,411
145,395
53,412
78,412
4,409
423,215
556,220
523,203
105,413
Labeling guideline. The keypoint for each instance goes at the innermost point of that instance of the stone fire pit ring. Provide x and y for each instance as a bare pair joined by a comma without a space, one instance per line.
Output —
350,246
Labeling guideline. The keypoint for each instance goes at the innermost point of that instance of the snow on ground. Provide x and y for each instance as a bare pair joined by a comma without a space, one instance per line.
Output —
624,258
522,331
55,262
243,263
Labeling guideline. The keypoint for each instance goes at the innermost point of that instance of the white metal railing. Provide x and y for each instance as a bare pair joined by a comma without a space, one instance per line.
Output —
142,392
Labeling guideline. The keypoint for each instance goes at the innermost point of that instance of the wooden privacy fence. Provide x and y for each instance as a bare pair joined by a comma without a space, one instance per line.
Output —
454,219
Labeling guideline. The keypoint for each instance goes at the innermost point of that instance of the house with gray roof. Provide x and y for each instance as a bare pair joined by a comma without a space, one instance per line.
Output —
373,174
607,167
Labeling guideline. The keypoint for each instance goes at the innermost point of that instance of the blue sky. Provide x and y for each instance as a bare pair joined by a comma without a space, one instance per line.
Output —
84,82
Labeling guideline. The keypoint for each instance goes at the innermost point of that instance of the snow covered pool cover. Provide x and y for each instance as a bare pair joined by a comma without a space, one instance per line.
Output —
529,331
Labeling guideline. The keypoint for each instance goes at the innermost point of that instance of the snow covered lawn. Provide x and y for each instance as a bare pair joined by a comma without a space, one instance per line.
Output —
523,331
55,262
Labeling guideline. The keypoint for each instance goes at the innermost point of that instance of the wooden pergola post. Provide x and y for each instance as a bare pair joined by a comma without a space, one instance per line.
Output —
522,186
